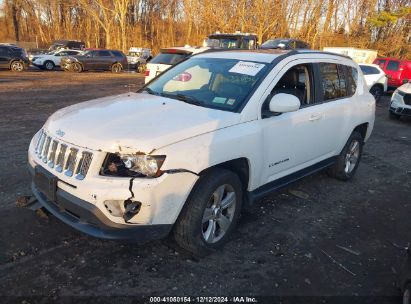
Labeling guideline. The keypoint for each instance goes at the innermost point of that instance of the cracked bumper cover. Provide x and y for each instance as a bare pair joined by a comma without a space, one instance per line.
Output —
89,219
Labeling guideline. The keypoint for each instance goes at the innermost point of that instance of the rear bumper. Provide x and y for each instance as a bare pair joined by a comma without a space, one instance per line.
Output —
89,219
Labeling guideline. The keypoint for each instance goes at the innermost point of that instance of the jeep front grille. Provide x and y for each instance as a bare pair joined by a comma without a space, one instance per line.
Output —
62,157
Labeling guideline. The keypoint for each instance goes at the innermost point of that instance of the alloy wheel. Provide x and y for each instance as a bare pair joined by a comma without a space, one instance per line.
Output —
352,156
17,66
219,213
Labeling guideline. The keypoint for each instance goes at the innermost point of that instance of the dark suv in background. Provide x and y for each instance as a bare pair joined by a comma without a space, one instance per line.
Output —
106,60
284,44
13,57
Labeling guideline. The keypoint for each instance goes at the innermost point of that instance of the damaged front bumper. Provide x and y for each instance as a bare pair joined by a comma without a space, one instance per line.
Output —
89,219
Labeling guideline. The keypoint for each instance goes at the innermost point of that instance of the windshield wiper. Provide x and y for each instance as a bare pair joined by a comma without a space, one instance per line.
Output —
189,99
150,91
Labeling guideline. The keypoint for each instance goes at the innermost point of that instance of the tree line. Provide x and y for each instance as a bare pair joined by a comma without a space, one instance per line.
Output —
384,25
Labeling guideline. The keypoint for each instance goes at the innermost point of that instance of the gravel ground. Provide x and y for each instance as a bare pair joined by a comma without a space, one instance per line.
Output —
284,247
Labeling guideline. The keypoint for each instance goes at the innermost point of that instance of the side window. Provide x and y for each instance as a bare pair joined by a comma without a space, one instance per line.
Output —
333,81
381,63
352,80
369,70
3,51
103,54
72,53
393,65
297,81
293,44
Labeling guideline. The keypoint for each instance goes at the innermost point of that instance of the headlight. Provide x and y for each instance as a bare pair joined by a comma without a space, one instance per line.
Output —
133,165
148,165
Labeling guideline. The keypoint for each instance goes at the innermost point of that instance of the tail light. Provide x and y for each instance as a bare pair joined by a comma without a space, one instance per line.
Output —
147,73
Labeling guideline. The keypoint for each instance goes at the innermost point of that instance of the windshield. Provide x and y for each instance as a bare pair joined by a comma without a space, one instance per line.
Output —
168,58
134,54
274,44
224,43
215,83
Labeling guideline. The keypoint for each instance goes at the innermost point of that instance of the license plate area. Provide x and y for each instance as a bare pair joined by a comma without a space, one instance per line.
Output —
46,183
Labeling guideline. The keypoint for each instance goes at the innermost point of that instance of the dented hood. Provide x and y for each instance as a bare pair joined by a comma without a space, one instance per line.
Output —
134,122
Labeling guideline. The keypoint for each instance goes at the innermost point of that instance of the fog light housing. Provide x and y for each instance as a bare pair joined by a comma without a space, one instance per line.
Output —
114,208
132,208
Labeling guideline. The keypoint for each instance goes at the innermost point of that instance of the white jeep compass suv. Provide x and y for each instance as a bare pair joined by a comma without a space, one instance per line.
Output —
204,140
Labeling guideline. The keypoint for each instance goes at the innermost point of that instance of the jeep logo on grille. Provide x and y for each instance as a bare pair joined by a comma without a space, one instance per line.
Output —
60,133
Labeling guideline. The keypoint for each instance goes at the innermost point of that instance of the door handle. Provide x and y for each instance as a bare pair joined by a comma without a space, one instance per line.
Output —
315,117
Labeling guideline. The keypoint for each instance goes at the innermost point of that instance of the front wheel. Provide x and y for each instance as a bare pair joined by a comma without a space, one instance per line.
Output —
76,67
49,65
406,296
17,66
393,115
377,92
349,158
211,212
116,68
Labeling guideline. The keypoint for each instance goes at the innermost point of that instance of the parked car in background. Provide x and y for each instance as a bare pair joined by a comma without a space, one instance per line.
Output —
398,71
107,60
52,59
201,142
401,102
67,44
284,44
375,78
138,57
13,57
169,57
237,40
358,55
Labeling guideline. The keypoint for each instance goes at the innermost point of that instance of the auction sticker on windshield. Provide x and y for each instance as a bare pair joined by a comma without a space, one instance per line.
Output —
247,68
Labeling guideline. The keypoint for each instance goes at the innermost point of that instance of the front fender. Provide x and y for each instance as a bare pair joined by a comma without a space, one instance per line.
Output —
207,150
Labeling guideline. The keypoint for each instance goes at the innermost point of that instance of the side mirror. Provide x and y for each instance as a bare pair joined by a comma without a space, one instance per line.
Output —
282,103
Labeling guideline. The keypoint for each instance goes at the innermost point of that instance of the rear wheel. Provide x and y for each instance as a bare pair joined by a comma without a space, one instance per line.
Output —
17,66
349,158
211,212
116,68
76,67
48,65
377,91
393,115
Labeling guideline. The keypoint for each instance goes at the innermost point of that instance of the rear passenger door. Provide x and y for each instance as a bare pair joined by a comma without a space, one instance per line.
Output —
103,60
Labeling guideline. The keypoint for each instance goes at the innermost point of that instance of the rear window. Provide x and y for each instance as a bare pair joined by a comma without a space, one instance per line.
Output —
169,58
369,70
393,65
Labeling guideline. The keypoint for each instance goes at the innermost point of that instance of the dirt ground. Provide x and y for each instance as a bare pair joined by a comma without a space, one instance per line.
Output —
284,247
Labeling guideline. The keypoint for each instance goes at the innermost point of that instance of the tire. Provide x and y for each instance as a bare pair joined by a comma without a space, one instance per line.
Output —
17,66
377,92
116,68
349,158
199,227
76,67
406,295
49,65
393,116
